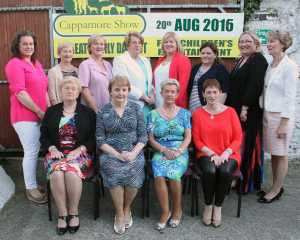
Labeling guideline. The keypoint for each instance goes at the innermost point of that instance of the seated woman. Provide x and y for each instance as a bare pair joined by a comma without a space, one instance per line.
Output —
217,136
169,130
68,138
121,135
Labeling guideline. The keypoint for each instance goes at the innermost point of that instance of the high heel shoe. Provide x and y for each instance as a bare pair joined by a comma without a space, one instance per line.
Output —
73,229
161,226
62,230
277,197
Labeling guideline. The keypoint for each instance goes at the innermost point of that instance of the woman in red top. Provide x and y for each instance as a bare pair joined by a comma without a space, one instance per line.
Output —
172,65
217,136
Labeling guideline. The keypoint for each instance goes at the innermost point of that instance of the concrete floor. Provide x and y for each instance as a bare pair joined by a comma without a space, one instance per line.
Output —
280,220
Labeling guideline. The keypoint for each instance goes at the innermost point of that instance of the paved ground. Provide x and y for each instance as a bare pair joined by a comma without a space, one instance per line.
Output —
281,220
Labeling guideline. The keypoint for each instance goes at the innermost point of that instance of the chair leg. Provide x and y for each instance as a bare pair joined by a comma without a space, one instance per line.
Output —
49,200
184,180
148,198
189,181
192,198
240,187
143,199
96,198
102,186
196,197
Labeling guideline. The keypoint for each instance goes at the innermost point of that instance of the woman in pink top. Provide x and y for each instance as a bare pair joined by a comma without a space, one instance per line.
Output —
95,74
28,103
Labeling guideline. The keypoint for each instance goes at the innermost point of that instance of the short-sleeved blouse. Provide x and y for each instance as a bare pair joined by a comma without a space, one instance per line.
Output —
97,80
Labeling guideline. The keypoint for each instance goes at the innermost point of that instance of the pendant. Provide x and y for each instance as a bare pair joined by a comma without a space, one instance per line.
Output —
212,116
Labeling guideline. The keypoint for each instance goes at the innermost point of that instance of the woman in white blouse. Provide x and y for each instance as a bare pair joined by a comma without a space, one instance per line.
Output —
279,100
137,69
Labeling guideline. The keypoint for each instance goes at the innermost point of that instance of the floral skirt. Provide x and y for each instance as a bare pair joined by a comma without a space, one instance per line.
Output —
82,165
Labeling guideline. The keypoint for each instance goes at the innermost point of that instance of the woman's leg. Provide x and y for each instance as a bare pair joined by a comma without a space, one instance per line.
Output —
129,195
29,134
117,194
58,189
74,188
208,178
161,190
224,179
176,191
279,170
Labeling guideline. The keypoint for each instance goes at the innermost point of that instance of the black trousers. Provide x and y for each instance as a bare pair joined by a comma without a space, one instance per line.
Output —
216,180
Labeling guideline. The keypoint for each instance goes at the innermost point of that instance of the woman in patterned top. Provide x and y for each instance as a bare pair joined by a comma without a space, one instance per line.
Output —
169,131
121,135
58,72
68,140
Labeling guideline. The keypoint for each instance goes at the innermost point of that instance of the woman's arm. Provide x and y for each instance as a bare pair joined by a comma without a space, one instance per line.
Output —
88,98
51,86
223,77
27,101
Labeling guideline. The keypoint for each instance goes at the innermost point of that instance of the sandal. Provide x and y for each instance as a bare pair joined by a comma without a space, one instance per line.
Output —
161,226
73,229
119,229
128,222
62,230
34,195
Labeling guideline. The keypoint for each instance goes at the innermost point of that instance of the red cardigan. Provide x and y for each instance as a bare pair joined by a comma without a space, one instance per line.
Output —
180,69
218,133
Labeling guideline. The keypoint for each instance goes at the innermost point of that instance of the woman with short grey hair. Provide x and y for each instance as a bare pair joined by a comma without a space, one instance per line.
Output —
169,131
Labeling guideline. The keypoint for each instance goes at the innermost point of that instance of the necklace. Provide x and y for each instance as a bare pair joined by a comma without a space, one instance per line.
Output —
213,112
68,112
170,112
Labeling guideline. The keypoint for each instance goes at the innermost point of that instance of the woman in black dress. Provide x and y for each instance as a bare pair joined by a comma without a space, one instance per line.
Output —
246,85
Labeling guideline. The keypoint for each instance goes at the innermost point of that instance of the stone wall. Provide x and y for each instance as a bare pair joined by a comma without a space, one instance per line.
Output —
283,15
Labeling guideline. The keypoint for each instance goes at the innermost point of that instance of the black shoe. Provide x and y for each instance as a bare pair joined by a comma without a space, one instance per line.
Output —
277,197
62,230
261,193
73,229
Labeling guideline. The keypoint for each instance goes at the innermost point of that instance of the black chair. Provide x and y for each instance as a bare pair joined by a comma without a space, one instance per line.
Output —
237,175
96,180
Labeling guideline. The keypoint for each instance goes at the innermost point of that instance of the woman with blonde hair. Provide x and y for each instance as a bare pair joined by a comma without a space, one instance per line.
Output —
137,69
95,74
68,142
246,85
172,65
65,68
279,102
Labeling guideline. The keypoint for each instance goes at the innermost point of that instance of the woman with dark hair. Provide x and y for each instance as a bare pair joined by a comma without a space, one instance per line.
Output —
208,68
217,136
246,85
28,103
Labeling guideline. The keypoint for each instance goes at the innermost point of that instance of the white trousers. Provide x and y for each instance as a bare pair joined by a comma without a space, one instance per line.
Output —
29,135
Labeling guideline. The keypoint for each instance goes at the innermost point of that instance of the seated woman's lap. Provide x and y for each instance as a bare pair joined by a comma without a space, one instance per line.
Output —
171,169
208,167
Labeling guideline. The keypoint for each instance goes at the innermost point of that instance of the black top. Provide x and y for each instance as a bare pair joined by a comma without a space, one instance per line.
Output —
85,119
217,71
247,82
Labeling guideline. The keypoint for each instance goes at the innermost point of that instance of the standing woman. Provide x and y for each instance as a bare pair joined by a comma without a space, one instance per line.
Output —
121,136
95,74
246,85
279,110
172,65
169,130
208,68
28,103
58,72
137,69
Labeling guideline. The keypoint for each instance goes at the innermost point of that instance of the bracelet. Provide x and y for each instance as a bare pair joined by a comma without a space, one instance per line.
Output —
180,150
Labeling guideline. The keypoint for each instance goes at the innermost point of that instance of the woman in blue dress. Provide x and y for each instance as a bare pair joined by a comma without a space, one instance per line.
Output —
169,131
121,135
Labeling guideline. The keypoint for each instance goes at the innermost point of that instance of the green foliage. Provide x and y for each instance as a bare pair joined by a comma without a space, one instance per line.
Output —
250,7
